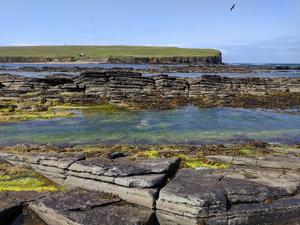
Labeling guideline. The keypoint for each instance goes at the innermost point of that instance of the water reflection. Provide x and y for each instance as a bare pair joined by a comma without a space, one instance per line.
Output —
188,125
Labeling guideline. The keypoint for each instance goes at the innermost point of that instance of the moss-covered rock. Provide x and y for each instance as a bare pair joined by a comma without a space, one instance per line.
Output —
13,178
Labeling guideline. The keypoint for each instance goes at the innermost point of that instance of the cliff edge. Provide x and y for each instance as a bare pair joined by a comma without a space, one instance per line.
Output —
110,54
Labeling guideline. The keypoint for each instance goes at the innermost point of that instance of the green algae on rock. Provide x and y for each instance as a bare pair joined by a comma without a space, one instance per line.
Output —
196,162
14,111
187,161
13,178
22,116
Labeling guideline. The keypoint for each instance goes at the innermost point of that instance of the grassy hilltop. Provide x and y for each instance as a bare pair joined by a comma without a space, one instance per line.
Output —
90,52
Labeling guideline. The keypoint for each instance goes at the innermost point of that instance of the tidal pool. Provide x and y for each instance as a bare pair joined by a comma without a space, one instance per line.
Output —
187,125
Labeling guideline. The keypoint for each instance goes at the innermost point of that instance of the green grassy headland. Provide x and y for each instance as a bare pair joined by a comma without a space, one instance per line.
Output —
90,52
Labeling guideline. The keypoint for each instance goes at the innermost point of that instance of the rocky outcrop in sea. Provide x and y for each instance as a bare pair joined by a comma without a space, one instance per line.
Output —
162,91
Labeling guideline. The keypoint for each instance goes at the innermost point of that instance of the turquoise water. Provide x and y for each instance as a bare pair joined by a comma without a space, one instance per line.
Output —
188,125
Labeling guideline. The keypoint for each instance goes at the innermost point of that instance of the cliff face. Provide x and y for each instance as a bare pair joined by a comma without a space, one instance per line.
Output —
14,59
162,91
120,60
168,60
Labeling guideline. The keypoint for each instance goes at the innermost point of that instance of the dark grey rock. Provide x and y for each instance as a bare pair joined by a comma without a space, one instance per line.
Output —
116,155
233,196
90,208
123,167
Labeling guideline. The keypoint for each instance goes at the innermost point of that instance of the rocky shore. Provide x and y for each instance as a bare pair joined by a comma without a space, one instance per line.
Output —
255,183
156,69
261,186
162,91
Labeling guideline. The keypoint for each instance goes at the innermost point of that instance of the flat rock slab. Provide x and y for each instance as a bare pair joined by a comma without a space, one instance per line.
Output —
141,181
290,163
123,167
61,161
136,181
53,166
140,196
229,196
79,207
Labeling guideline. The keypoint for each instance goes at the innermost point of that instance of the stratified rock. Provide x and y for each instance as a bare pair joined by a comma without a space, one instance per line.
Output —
141,181
140,196
191,195
292,163
90,208
163,91
123,167
232,196
52,166
134,181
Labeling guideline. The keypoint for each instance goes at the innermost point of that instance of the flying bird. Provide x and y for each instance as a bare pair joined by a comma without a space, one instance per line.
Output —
232,7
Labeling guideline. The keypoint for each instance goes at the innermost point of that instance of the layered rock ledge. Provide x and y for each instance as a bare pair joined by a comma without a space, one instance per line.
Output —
163,91
233,196
90,208
152,191
135,181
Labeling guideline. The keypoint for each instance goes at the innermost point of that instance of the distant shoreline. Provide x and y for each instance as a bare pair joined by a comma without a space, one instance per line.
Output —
109,54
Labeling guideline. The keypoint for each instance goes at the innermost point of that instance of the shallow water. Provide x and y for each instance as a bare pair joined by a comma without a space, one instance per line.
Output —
11,68
273,74
34,74
188,125
263,74
83,65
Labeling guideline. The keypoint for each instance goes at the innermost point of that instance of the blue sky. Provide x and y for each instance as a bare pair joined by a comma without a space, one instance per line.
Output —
257,31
